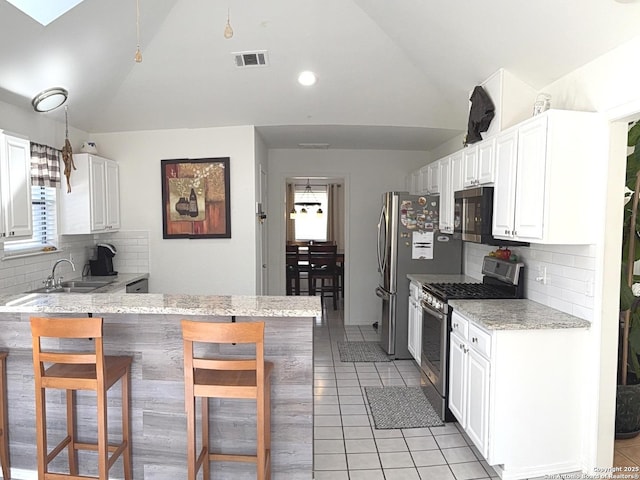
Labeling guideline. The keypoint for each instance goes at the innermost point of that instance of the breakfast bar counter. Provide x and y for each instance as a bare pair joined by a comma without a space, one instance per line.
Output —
148,328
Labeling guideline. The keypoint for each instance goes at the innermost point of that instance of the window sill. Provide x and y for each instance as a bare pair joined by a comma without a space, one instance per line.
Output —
26,254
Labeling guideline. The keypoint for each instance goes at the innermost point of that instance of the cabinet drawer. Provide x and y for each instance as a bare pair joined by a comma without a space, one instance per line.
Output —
459,325
480,340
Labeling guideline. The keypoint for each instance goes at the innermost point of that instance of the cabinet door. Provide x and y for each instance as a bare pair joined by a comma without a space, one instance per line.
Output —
505,184
530,180
456,171
112,195
417,344
97,200
446,196
434,177
423,180
458,378
485,161
470,167
16,187
411,330
478,370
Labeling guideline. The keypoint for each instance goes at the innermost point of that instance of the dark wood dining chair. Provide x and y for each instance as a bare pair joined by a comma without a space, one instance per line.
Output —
322,266
293,269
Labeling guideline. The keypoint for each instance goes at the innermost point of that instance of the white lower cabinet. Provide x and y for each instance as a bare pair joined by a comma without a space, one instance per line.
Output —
415,322
517,396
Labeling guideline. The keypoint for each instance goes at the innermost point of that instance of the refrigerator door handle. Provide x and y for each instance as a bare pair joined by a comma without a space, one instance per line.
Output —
382,293
381,266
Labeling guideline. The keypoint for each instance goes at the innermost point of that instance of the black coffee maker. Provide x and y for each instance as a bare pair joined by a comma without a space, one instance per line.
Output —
103,265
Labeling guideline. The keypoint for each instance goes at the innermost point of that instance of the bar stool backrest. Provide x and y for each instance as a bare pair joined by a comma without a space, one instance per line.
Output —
67,328
223,333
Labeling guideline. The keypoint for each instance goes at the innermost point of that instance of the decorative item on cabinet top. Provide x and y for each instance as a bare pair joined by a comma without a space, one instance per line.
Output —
196,198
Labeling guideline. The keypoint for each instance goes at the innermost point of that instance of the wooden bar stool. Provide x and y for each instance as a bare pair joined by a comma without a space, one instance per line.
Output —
79,370
4,419
226,378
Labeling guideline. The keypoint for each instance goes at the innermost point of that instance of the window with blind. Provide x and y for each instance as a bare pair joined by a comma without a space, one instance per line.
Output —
43,209
310,225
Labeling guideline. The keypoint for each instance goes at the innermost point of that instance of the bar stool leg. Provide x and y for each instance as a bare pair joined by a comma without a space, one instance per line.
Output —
4,421
267,424
191,439
71,432
41,431
126,426
205,438
103,452
261,460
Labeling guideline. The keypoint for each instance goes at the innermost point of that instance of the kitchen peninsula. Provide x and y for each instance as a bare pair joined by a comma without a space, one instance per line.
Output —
148,327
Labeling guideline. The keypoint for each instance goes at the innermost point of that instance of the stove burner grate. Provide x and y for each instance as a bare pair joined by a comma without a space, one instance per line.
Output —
449,291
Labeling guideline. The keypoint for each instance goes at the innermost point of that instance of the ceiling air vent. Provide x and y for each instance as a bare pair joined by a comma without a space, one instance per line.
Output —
258,58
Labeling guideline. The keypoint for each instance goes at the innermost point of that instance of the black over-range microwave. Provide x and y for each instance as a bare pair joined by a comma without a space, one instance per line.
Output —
473,217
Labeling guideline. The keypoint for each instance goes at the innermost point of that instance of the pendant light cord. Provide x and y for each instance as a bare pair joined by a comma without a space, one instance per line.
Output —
66,122
138,22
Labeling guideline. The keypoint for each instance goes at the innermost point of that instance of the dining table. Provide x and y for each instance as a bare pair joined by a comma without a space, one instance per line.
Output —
303,268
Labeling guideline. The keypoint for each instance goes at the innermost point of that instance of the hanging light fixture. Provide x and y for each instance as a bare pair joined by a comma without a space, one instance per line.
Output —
138,56
228,31
308,199
50,99
292,213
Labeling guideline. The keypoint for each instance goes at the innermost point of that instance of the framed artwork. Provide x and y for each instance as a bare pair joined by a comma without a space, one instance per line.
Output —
195,198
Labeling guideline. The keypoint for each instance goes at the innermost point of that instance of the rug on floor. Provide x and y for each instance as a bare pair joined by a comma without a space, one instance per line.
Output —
362,352
401,407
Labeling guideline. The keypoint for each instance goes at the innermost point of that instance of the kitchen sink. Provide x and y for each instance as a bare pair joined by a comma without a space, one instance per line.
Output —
73,286
93,284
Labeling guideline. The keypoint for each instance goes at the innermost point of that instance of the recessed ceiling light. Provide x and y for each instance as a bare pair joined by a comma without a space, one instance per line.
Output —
50,99
307,78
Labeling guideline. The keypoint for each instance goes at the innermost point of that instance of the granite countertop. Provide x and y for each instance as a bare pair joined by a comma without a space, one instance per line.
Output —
168,304
441,278
516,315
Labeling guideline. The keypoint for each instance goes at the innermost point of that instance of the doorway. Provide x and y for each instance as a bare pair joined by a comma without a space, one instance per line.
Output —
315,213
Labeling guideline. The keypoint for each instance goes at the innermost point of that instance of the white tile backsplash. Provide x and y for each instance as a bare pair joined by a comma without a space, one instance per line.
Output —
570,274
26,273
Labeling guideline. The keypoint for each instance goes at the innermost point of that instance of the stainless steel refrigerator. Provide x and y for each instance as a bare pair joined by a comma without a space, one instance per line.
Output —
408,242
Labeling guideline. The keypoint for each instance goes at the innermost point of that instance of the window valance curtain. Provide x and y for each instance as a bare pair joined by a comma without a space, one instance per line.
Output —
45,165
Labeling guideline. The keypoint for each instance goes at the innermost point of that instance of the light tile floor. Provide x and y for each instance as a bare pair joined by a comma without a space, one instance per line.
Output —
347,447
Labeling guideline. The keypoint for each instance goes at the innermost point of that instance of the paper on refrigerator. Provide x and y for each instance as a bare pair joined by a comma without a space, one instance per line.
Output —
422,246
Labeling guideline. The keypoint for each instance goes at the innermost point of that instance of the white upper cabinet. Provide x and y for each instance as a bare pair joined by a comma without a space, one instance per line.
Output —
15,185
112,195
457,171
479,164
446,196
93,206
544,165
433,178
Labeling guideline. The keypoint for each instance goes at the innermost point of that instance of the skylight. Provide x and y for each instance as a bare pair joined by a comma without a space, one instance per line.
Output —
45,11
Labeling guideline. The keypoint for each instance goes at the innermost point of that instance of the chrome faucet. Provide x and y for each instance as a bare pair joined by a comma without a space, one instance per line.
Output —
51,281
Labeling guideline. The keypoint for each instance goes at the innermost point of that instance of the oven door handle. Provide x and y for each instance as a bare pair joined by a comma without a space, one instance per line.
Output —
431,311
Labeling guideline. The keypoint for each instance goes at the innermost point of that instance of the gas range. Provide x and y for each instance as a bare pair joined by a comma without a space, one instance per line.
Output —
502,279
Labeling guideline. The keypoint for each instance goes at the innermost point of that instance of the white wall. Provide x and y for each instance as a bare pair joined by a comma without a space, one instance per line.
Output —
609,85
204,266
368,174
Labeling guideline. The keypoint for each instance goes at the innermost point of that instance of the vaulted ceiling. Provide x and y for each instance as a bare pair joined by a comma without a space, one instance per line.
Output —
390,73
